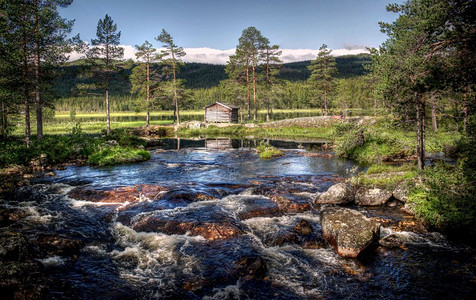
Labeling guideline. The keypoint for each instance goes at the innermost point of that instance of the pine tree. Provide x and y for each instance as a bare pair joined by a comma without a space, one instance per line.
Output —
49,48
104,57
144,77
323,69
172,54
248,50
271,63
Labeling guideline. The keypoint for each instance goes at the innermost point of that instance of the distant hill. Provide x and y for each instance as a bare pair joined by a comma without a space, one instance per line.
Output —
200,75
347,66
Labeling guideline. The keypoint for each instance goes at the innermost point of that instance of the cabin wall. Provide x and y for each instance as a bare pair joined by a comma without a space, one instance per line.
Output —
220,114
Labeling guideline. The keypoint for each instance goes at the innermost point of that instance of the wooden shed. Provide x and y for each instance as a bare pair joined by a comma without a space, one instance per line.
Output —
221,113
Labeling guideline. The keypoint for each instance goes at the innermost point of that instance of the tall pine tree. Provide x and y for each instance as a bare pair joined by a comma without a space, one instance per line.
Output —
104,57
172,57
323,69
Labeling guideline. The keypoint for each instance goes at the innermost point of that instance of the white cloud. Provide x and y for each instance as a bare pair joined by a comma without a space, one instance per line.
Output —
216,56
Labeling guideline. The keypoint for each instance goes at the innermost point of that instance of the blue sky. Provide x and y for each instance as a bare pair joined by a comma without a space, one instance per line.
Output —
217,24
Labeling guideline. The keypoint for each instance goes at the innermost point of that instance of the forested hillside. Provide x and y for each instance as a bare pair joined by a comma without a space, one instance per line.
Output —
200,75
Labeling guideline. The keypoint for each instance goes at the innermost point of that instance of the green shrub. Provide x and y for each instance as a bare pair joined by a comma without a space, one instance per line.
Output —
118,155
343,128
124,138
266,151
446,199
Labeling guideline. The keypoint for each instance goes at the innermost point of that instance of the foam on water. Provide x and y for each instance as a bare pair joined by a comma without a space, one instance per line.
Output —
52,261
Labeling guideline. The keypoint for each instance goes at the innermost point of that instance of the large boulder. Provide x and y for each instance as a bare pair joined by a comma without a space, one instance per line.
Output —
401,192
372,197
347,230
339,193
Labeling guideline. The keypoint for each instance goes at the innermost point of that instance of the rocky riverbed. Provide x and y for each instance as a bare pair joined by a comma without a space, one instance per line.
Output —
203,223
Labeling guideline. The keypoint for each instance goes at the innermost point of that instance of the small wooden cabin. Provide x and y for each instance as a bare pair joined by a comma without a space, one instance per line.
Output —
221,113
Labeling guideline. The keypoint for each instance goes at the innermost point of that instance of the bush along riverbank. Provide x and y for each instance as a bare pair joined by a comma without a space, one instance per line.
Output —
17,161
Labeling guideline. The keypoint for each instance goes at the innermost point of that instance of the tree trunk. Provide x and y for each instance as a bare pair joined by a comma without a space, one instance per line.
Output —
326,105
255,115
147,116
108,115
26,94
3,120
465,112
177,113
434,124
420,131
248,92
38,104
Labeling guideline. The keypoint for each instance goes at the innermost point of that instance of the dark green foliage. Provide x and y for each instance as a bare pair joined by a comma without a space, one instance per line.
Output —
343,128
266,151
57,148
118,155
348,66
366,146
446,199
125,139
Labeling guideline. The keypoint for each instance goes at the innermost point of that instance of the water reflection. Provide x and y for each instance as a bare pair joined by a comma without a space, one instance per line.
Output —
178,161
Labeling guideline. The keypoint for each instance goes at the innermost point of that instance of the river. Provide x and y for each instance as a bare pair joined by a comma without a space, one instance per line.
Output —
203,220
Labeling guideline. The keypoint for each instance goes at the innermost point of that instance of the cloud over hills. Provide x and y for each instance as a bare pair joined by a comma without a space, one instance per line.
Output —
220,57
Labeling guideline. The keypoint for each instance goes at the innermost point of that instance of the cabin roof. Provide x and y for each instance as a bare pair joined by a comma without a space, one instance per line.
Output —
223,104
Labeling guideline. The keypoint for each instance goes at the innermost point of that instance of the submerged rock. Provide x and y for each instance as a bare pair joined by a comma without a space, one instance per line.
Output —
347,230
339,193
251,206
290,203
253,267
209,221
58,245
117,195
10,215
372,197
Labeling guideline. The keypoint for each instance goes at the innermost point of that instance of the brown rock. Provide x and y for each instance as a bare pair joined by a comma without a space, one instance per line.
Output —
290,204
347,230
339,193
303,227
372,197
116,195
209,221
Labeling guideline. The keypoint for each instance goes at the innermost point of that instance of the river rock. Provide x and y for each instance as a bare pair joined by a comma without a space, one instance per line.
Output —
251,206
13,246
117,195
303,227
253,267
372,197
210,221
339,193
347,230
58,245
10,215
401,192
290,203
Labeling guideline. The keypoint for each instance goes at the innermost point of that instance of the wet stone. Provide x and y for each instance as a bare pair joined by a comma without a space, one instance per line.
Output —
339,193
347,230
117,195
372,197
10,215
209,221
58,245
291,203
251,206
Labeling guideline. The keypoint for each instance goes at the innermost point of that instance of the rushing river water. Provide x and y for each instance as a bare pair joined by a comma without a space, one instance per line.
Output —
196,221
